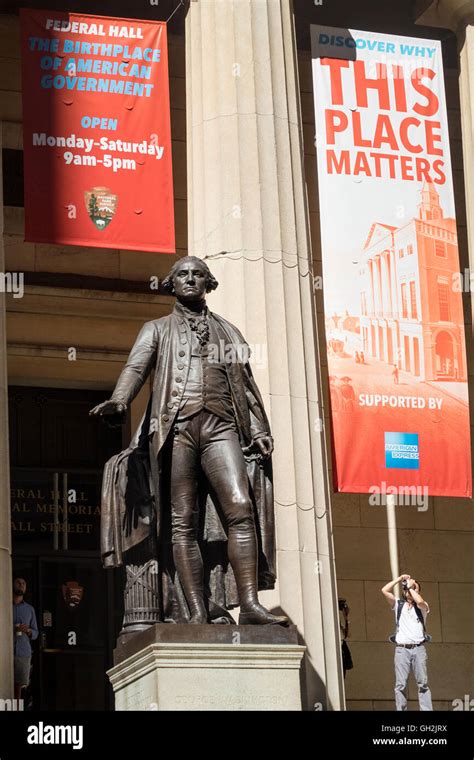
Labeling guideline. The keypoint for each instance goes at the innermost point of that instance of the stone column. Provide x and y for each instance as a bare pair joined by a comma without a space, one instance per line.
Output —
377,286
394,284
387,258
6,620
458,15
370,266
385,280
466,84
247,215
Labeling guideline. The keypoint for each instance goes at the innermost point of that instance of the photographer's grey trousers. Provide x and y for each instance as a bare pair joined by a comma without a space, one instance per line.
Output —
406,660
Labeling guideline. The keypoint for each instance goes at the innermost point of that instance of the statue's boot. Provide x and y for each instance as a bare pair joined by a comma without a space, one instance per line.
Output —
257,614
188,563
242,549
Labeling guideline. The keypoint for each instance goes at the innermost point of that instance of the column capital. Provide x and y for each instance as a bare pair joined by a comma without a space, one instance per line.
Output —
448,14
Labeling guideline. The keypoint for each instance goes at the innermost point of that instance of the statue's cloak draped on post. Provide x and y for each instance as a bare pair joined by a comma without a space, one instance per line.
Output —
135,489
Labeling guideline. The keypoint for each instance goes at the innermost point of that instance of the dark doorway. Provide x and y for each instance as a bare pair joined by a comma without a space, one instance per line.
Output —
445,369
57,455
416,356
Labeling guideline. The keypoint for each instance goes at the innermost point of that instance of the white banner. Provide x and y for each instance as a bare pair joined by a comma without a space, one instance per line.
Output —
391,282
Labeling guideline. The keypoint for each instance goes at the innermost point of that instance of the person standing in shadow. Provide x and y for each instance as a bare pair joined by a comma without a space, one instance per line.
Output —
25,630
344,610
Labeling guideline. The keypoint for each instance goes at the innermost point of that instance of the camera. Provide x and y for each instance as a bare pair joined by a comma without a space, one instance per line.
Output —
405,585
342,604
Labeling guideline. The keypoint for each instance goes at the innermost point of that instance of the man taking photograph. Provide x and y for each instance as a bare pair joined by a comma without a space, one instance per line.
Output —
410,637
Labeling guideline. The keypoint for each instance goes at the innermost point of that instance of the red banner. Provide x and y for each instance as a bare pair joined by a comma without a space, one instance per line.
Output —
96,127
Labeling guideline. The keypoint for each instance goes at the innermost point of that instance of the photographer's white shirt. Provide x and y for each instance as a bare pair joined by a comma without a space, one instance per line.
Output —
410,630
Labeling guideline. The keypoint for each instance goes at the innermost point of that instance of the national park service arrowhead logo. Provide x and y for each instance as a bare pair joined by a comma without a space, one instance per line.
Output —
101,205
72,592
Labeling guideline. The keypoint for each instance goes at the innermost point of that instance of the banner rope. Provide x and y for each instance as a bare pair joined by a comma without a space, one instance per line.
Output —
224,254
181,3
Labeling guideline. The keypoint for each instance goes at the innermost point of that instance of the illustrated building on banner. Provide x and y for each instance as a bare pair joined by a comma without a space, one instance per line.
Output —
410,314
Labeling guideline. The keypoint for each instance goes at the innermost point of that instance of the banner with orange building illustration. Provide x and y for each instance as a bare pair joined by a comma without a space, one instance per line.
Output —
391,283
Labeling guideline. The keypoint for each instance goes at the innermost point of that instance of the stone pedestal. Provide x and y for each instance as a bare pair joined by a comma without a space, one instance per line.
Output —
208,667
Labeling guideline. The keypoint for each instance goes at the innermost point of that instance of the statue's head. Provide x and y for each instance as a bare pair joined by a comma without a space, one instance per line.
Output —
189,279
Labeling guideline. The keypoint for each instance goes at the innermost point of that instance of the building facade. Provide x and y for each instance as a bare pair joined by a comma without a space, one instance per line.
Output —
246,200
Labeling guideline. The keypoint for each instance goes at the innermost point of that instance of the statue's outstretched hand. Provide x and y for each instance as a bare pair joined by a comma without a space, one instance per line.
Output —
113,412
265,445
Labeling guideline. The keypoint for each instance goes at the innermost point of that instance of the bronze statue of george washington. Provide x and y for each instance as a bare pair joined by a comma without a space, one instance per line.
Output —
188,507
